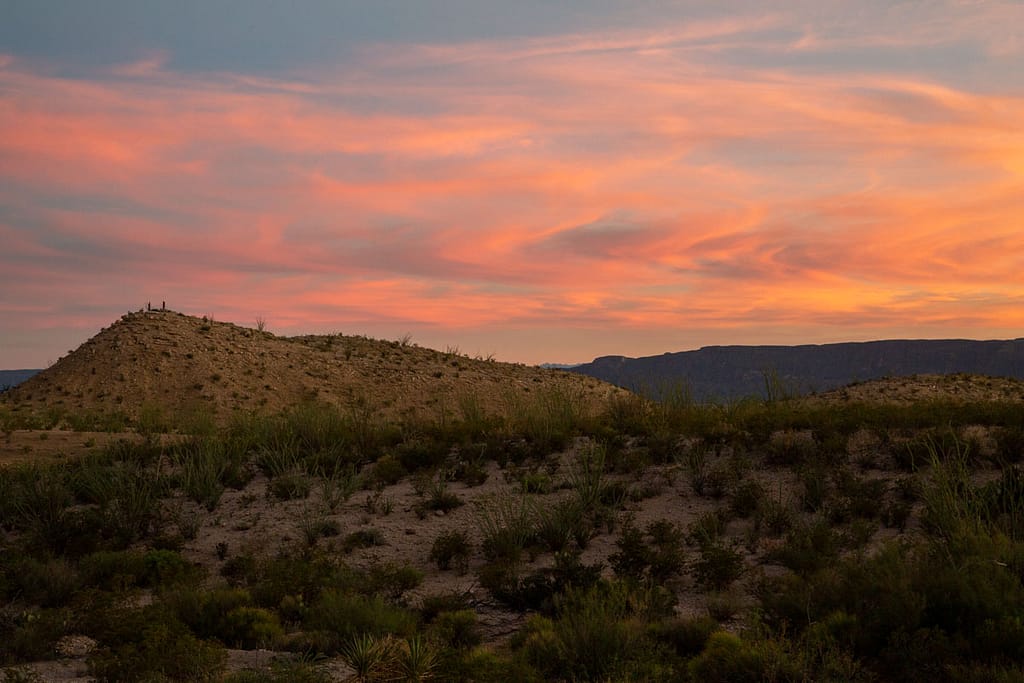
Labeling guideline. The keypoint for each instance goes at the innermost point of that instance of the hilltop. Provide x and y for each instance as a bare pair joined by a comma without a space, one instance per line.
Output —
179,364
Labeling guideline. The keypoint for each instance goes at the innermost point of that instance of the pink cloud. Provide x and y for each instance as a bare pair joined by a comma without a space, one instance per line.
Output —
605,180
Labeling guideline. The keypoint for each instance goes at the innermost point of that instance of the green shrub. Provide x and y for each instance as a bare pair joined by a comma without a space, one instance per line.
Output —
30,635
388,470
363,538
591,639
718,566
747,498
204,463
809,546
163,567
342,616
686,637
49,583
249,628
163,650
507,524
655,557
562,524
451,547
439,498
289,486
390,580
727,659
457,630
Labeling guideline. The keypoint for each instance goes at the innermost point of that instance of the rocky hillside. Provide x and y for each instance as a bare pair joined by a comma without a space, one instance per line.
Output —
179,364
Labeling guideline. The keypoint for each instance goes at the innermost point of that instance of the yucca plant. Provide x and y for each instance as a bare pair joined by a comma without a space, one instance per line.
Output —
369,657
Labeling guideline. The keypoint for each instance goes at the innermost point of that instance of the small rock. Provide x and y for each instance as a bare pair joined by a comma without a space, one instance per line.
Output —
75,646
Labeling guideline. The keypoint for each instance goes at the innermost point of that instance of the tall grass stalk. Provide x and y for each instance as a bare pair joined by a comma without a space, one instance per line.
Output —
587,476
507,523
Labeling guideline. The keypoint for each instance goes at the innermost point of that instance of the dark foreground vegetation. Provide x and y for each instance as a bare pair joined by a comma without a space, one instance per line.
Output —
891,550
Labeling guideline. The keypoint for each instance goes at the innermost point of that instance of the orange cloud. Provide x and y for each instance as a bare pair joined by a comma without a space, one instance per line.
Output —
610,181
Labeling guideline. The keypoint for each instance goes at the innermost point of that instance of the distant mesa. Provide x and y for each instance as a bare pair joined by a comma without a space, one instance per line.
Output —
733,372
12,378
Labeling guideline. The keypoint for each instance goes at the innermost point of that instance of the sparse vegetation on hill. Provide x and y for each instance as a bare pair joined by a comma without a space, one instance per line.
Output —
842,538
163,365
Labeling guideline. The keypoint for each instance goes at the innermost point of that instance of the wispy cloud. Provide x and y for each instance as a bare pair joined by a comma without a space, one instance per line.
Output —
619,180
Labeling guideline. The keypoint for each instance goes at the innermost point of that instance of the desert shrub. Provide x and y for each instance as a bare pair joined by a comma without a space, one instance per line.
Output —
718,566
272,580
313,524
655,557
204,611
809,546
815,485
30,635
723,606
289,486
539,589
457,630
363,538
127,496
164,567
21,675
162,650
546,418
389,579
501,578
562,524
281,671
506,523
587,476
39,500
48,583
746,498
1010,444
718,478
928,445
1001,502
728,659
451,547
685,637
226,614
337,486
203,463
277,459
438,498
775,515
249,628
418,454
388,470
790,447
113,569
342,616
595,635
708,527
858,498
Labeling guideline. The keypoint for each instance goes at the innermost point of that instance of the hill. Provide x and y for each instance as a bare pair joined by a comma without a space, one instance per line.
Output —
731,372
180,364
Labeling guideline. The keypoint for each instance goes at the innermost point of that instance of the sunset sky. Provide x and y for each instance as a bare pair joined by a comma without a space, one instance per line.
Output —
542,181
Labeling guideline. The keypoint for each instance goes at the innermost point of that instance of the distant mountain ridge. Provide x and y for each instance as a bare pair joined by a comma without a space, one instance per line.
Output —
732,372
12,378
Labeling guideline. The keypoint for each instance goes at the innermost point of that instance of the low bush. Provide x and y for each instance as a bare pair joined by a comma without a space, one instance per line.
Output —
451,548
341,616
289,486
718,566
